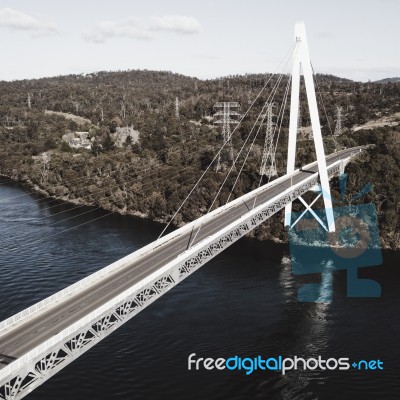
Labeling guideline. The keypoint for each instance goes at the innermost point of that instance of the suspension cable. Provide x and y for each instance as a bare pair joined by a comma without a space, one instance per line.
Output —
233,164
223,145
322,100
273,136
280,115
262,112
269,100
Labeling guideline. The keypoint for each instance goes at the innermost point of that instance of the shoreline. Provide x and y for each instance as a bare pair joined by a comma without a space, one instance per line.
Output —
124,212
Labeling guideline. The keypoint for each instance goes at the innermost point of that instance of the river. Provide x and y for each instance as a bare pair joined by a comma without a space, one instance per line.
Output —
244,302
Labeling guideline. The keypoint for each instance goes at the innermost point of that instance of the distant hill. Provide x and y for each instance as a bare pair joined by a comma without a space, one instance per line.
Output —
388,80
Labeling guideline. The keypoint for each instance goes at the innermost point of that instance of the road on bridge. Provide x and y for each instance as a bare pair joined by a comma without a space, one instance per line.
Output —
27,335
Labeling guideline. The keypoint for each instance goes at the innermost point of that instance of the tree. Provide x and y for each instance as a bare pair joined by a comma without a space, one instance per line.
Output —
108,143
136,148
50,144
65,147
97,148
128,141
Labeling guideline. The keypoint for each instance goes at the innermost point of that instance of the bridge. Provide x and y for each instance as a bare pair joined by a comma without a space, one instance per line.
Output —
41,340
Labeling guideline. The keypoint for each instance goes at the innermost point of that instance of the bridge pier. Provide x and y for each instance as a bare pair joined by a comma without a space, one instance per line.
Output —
342,167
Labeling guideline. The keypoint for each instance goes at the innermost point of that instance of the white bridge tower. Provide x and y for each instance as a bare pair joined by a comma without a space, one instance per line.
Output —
301,62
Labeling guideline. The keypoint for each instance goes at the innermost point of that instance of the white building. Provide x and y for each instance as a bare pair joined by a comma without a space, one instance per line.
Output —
78,140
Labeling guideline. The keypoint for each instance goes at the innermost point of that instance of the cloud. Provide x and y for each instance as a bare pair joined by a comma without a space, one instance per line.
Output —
176,24
108,29
135,28
19,21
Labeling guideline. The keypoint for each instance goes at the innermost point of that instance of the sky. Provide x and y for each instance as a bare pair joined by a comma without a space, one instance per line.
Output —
356,39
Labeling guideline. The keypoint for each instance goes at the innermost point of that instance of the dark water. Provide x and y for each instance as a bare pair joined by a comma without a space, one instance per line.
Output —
241,303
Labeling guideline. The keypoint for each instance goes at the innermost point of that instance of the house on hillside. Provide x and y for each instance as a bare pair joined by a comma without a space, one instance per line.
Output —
78,140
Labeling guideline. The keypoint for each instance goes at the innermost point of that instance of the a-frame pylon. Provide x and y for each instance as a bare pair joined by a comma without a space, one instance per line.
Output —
301,62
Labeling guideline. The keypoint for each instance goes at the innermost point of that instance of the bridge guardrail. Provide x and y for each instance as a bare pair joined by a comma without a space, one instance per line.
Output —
77,287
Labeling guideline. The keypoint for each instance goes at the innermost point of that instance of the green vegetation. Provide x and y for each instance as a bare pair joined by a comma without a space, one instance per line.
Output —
151,177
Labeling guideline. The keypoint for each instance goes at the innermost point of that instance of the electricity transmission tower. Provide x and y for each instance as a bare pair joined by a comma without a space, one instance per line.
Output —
226,113
338,128
268,167
177,109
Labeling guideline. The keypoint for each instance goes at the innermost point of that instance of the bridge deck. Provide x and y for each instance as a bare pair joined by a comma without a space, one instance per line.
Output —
27,335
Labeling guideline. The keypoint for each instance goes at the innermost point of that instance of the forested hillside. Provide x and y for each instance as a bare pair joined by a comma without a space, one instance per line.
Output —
152,176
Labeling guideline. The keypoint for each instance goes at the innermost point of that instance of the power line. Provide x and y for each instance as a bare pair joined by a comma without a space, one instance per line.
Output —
34,241
47,198
148,184
60,203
